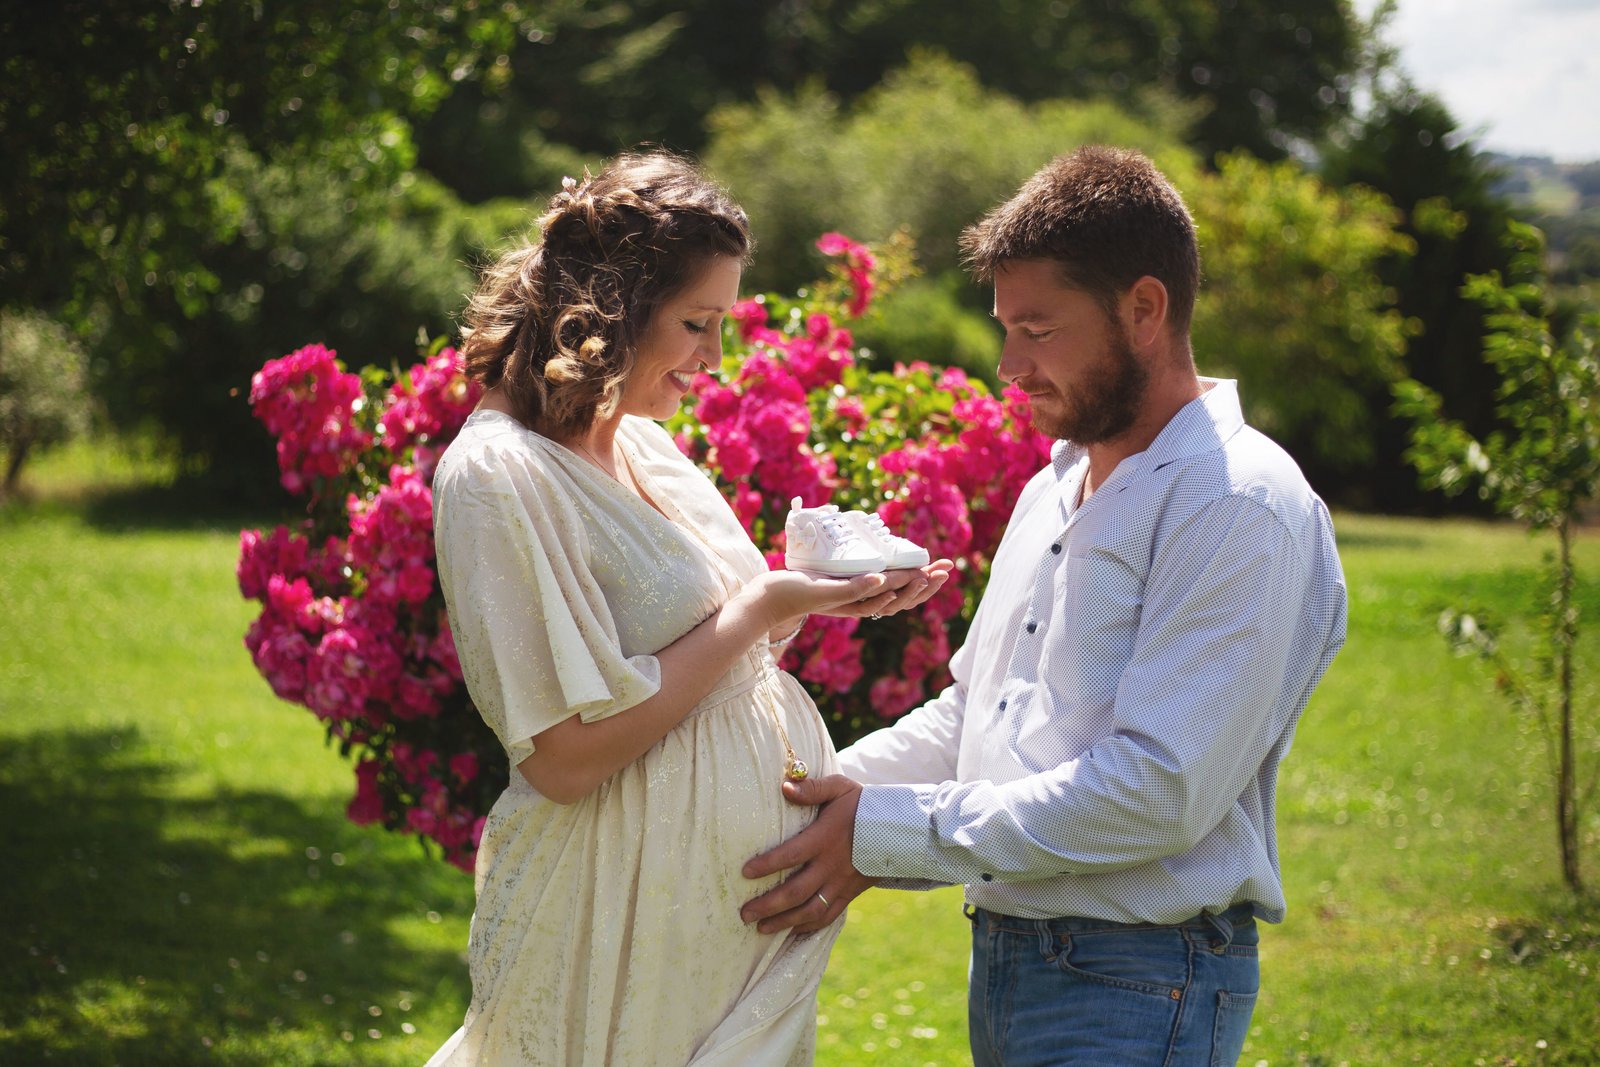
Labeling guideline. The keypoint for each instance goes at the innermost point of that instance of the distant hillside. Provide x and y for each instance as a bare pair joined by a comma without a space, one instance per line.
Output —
1545,187
1563,200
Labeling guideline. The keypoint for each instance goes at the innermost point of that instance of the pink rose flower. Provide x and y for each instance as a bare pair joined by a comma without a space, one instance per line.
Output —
367,805
281,552
892,697
307,402
464,765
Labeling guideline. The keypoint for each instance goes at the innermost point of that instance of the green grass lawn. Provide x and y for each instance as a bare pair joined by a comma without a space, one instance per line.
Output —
182,886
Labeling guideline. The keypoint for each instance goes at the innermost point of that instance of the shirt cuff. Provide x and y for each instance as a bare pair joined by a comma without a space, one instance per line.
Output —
894,832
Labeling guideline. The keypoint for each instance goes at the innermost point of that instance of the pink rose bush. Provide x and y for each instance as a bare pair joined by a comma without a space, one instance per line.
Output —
352,623
796,412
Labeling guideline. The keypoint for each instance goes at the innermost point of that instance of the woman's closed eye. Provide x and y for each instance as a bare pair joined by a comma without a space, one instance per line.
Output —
695,327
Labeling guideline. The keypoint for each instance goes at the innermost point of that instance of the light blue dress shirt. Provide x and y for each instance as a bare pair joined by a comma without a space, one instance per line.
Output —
1110,746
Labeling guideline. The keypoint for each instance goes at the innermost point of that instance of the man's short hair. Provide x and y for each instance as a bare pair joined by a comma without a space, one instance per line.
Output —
1108,217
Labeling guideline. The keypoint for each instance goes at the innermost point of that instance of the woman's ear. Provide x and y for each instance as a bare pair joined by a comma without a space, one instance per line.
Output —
1144,311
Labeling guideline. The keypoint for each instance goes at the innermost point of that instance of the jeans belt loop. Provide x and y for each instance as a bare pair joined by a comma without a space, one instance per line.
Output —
1047,938
1224,930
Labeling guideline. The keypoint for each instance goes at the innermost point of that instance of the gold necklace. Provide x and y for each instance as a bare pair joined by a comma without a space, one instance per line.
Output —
794,768
627,483
595,459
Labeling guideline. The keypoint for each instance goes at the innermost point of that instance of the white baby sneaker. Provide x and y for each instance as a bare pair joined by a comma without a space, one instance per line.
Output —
823,541
896,551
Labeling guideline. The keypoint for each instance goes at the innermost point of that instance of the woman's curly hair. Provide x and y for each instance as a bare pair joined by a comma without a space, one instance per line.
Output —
557,322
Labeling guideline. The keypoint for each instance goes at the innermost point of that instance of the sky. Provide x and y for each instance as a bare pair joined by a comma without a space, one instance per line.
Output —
1524,75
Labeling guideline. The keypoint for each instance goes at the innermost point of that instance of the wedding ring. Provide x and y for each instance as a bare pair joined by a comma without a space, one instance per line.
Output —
874,615
822,898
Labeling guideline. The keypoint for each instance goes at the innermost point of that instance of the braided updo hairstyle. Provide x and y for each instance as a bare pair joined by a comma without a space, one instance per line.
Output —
557,322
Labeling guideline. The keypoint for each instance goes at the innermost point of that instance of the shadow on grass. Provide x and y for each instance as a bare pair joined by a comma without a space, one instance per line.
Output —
180,506
133,936
187,504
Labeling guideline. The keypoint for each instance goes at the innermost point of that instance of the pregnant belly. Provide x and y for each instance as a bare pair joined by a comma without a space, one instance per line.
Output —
679,823
714,787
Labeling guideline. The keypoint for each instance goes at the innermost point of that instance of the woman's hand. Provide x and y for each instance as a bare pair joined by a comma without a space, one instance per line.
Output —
777,597
901,591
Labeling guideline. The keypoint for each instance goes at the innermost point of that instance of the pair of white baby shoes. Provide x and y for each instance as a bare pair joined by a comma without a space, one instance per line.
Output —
838,543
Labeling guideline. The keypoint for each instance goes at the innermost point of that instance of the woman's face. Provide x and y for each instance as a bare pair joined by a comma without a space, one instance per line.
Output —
682,336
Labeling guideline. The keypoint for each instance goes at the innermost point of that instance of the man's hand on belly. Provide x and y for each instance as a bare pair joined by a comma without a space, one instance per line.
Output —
822,879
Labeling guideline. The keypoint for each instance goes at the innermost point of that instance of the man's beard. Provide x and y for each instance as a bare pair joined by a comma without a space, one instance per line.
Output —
1105,405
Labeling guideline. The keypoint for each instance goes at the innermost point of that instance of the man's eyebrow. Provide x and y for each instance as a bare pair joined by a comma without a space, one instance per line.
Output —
1027,318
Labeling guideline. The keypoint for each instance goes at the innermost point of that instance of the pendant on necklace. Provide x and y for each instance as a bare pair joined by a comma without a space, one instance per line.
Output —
796,770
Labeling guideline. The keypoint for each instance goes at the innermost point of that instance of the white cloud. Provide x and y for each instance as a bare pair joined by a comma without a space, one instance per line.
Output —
1524,75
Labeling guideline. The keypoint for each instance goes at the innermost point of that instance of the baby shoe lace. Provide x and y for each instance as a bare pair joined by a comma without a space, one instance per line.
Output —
837,529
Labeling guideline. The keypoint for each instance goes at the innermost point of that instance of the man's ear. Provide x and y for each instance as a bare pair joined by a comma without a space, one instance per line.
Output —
1144,311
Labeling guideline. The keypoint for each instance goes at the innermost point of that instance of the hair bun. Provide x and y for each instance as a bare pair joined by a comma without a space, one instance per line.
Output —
574,200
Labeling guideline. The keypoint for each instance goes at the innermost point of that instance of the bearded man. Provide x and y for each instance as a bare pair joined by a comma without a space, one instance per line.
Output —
1101,774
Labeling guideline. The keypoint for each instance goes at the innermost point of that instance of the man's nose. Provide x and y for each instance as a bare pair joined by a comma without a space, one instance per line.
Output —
1011,366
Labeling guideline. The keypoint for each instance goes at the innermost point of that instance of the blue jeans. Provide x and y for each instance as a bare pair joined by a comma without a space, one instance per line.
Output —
1060,992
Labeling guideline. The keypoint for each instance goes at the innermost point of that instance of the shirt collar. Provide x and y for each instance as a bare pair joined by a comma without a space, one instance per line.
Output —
1202,425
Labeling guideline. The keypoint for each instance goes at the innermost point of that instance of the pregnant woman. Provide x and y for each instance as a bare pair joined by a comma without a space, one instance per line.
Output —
619,631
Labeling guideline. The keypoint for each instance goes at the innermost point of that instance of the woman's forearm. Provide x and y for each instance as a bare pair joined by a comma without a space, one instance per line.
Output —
786,630
572,758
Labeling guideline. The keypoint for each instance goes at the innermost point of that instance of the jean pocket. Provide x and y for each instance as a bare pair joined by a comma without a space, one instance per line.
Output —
1231,1028
1146,961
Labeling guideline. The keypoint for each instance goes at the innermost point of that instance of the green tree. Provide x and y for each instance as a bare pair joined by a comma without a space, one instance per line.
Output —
1291,303
43,399
1261,75
1409,147
120,115
597,77
311,261
1264,73
929,150
1542,468
1586,180
1574,245
172,165
1293,306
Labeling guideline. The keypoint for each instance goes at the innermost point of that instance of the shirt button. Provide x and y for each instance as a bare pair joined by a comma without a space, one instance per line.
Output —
1002,705
1032,626
1056,549
987,877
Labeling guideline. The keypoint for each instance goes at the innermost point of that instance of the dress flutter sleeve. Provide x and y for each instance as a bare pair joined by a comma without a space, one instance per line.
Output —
533,630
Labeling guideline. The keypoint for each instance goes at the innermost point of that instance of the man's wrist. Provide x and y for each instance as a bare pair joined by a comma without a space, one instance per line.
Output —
892,835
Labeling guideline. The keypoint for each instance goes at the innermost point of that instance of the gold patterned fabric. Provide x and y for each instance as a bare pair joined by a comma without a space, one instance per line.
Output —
607,932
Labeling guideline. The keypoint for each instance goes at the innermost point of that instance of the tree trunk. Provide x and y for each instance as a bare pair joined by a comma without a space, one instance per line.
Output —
19,452
1566,788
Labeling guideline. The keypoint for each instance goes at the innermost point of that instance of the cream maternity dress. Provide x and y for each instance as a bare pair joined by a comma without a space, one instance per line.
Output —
607,931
